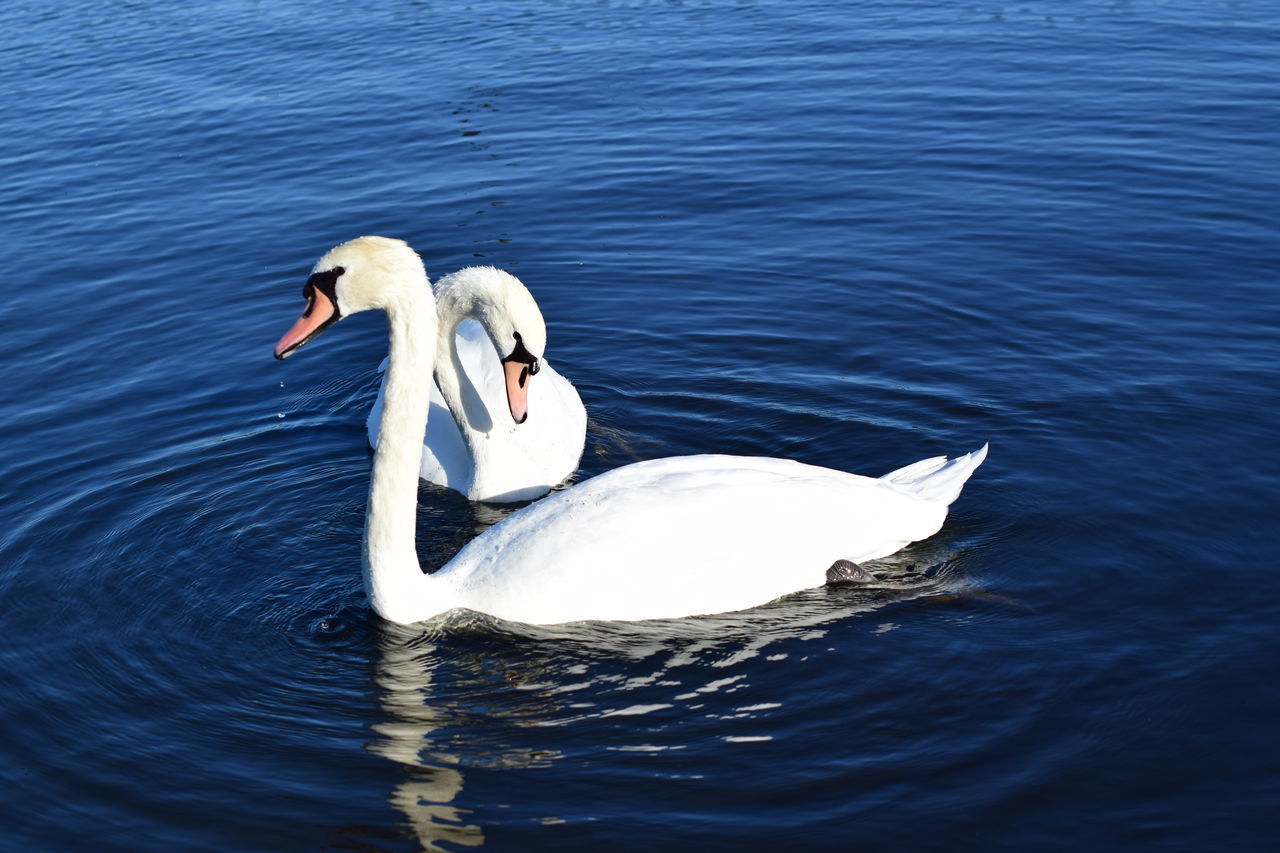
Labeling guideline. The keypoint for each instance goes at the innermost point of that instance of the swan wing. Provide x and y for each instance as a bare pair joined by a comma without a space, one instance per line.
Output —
682,536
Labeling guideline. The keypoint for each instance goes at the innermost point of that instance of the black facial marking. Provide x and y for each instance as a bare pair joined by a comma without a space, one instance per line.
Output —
327,283
522,355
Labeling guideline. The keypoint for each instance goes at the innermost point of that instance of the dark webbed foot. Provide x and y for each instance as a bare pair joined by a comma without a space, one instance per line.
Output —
845,571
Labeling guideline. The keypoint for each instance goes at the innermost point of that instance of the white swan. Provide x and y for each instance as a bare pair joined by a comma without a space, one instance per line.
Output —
472,445
667,538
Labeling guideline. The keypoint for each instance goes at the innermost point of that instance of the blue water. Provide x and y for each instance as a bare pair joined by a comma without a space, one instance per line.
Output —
851,234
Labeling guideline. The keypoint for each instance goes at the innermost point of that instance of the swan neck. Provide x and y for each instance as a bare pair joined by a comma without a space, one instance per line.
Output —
459,393
393,577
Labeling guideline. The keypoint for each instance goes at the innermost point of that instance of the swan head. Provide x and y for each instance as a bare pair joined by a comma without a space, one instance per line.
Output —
358,275
511,318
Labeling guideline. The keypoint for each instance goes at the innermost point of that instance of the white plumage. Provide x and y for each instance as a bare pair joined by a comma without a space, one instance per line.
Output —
666,538
691,535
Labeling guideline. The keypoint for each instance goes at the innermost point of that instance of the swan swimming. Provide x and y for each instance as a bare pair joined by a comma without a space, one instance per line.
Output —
667,538
472,446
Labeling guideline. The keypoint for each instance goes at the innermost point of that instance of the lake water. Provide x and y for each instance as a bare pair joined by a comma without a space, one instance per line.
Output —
853,234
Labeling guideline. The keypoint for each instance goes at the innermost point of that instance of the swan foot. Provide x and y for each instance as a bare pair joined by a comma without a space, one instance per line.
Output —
846,571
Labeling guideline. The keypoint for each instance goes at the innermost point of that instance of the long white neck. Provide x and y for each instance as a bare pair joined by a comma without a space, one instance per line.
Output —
463,399
397,588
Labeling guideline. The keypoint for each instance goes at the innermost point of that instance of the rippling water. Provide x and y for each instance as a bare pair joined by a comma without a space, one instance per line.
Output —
851,234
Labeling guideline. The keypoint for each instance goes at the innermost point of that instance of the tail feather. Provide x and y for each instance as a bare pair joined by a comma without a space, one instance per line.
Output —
936,479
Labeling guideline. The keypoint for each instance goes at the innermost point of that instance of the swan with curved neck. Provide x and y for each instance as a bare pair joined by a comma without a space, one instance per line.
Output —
495,433
667,538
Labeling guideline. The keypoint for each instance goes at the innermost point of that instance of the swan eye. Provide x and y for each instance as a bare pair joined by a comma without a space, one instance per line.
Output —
535,367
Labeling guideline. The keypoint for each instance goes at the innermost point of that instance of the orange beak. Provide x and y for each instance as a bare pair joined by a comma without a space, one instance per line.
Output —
518,377
320,313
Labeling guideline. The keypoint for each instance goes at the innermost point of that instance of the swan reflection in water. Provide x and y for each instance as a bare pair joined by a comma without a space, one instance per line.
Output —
433,780
470,692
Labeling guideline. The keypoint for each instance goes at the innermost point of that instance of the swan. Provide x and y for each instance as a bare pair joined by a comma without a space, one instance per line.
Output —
666,538
472,446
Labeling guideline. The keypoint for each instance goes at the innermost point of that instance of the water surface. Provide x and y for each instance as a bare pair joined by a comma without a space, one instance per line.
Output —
850,234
